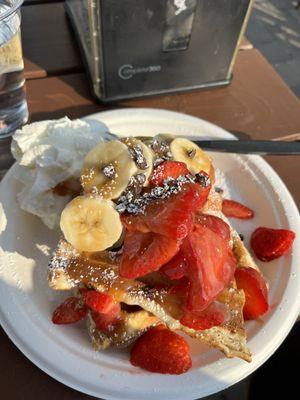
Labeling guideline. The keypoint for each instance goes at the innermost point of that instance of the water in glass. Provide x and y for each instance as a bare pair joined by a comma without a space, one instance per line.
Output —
13,105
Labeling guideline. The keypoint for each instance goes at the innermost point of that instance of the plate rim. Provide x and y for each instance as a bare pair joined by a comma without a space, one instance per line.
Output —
257,161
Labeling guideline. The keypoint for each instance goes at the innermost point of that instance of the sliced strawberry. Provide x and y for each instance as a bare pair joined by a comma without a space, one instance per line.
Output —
269,244
161,350
173,216
167,169
99,302
70,311
210,266
175,268
215,224
109,321
145,252
232,208
206,259
181,287
256,292
203,185
215,314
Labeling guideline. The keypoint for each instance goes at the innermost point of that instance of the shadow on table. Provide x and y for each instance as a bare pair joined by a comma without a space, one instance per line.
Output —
280,373
274,30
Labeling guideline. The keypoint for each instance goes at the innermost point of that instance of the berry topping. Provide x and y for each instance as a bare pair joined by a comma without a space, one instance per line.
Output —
256,292
269,244
107,322
210,266
205,259
173,216
175,268
203,179
215,314
70,311
215,224
161,350
167,169
232,208
203,185
145,252
99,302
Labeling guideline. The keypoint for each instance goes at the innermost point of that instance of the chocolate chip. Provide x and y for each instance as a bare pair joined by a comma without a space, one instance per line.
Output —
155,145
219,190
122,199
158,191
137,203
141,178
203,179
121,208
161,149
109,171
158,161
137,155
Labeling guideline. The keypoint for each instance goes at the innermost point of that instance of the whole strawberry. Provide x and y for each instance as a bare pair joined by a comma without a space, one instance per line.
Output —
161,350
269,244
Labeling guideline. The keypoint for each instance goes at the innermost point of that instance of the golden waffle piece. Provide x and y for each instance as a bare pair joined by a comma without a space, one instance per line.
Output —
100,273
131,326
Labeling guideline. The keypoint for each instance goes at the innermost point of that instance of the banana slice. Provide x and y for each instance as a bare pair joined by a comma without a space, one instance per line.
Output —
188,152
141,155
107,169
91,223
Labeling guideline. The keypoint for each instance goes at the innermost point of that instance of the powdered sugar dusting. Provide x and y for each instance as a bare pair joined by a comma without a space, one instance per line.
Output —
138,157
62,260
220,183
137,204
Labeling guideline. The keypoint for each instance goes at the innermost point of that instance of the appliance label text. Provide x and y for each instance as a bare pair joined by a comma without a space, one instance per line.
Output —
127,71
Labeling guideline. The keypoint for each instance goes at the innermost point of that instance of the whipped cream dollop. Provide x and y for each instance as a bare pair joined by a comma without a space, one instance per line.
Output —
48,153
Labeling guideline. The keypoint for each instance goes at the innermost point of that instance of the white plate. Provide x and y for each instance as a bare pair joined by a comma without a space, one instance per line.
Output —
65,353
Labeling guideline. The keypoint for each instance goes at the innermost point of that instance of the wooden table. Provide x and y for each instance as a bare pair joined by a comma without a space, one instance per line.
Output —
256,104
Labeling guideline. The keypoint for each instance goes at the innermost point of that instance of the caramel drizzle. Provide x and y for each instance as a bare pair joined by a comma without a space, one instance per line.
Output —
70,187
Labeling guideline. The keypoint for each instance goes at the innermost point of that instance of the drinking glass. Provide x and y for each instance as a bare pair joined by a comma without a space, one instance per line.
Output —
13,105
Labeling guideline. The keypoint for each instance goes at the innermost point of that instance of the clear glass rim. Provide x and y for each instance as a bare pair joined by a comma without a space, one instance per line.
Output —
11,10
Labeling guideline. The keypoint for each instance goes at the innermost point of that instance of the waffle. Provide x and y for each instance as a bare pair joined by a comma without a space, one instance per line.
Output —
131,326
69,268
